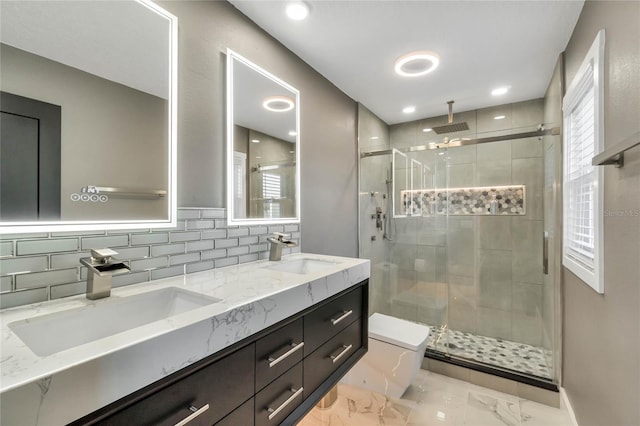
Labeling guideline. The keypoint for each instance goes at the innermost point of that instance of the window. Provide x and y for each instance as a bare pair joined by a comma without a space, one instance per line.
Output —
272,194
583,139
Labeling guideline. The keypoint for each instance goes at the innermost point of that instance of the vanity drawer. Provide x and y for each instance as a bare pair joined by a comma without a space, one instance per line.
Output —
241,416
275,402
222,386
277,352
325,322
324,361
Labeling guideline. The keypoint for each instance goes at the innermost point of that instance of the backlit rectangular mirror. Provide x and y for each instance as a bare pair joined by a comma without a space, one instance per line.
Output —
263,145
88,91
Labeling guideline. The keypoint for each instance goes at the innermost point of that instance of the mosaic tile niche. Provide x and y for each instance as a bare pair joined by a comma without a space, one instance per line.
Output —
489,200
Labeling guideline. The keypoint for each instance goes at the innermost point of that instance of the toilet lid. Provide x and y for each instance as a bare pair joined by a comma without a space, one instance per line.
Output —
396,331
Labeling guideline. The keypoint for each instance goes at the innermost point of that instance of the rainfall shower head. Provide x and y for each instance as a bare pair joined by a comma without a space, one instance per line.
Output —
451,126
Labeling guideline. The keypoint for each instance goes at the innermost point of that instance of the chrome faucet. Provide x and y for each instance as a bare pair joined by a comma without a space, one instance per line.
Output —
101,267
280,240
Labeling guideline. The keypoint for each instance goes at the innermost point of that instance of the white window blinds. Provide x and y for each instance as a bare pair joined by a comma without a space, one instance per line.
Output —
272,193
582,110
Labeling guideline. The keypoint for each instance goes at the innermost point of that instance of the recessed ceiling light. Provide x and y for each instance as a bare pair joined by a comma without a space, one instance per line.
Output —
255,140
278,103
292,152
409,109
415,64
428,129
500,91
297,11
373,138
293,133
258,157
499,117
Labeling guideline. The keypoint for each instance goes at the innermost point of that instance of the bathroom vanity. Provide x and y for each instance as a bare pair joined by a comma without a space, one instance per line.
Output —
258,343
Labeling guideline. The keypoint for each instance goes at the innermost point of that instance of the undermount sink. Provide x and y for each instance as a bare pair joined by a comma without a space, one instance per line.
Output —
52,333
302,266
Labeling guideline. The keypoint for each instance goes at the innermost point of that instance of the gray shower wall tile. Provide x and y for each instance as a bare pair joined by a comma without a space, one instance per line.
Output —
527,299
526,148
151,253
494,323
494,279
526,329
527,113
494,233
528,171
527,250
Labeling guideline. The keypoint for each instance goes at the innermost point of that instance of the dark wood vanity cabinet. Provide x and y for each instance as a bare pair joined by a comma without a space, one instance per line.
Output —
273,377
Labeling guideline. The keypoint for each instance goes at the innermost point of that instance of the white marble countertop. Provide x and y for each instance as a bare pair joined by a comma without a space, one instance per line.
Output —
252,298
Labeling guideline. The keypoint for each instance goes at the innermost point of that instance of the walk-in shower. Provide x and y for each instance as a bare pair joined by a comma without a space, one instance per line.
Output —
457,227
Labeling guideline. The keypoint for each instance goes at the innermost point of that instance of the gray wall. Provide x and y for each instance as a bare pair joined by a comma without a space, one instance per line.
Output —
328,123
601,336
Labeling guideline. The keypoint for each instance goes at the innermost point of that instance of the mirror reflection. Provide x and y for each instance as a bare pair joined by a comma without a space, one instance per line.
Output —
263,141
88,115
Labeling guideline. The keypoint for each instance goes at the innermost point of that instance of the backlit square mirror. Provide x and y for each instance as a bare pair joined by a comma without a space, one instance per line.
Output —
263,145
88,122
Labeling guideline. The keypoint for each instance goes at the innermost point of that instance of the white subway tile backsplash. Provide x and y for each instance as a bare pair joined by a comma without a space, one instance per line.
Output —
146,239
23,297
102,242
200,241
41,279
167,249
23,264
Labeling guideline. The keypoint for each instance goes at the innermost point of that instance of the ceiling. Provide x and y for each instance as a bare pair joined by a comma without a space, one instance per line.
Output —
481,45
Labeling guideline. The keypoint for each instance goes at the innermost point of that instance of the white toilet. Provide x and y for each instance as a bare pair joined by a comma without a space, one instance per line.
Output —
396,350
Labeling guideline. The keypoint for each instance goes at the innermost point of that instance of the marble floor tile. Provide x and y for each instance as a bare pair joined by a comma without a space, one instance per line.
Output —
487,410
433,399
534,414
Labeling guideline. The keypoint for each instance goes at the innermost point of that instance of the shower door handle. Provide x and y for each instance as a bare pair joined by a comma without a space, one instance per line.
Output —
545,253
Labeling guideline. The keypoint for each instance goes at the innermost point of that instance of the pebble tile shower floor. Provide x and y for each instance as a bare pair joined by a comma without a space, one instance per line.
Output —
513,356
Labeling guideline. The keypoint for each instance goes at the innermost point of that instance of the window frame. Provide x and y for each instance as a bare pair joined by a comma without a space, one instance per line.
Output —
592,64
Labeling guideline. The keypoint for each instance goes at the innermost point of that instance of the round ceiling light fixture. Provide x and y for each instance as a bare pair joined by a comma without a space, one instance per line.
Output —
415,64
500,91
297,10
278,103
409,109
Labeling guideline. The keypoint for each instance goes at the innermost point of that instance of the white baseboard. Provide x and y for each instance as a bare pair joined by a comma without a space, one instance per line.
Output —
565,403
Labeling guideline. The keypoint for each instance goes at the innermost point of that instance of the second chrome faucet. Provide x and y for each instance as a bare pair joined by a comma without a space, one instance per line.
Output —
277,242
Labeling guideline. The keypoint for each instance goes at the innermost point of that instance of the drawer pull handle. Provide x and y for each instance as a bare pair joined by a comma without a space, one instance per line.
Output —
275,412
195,412
294,347
345,314
345,349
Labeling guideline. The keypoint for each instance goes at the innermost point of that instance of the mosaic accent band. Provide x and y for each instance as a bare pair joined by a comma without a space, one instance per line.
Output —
489,200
